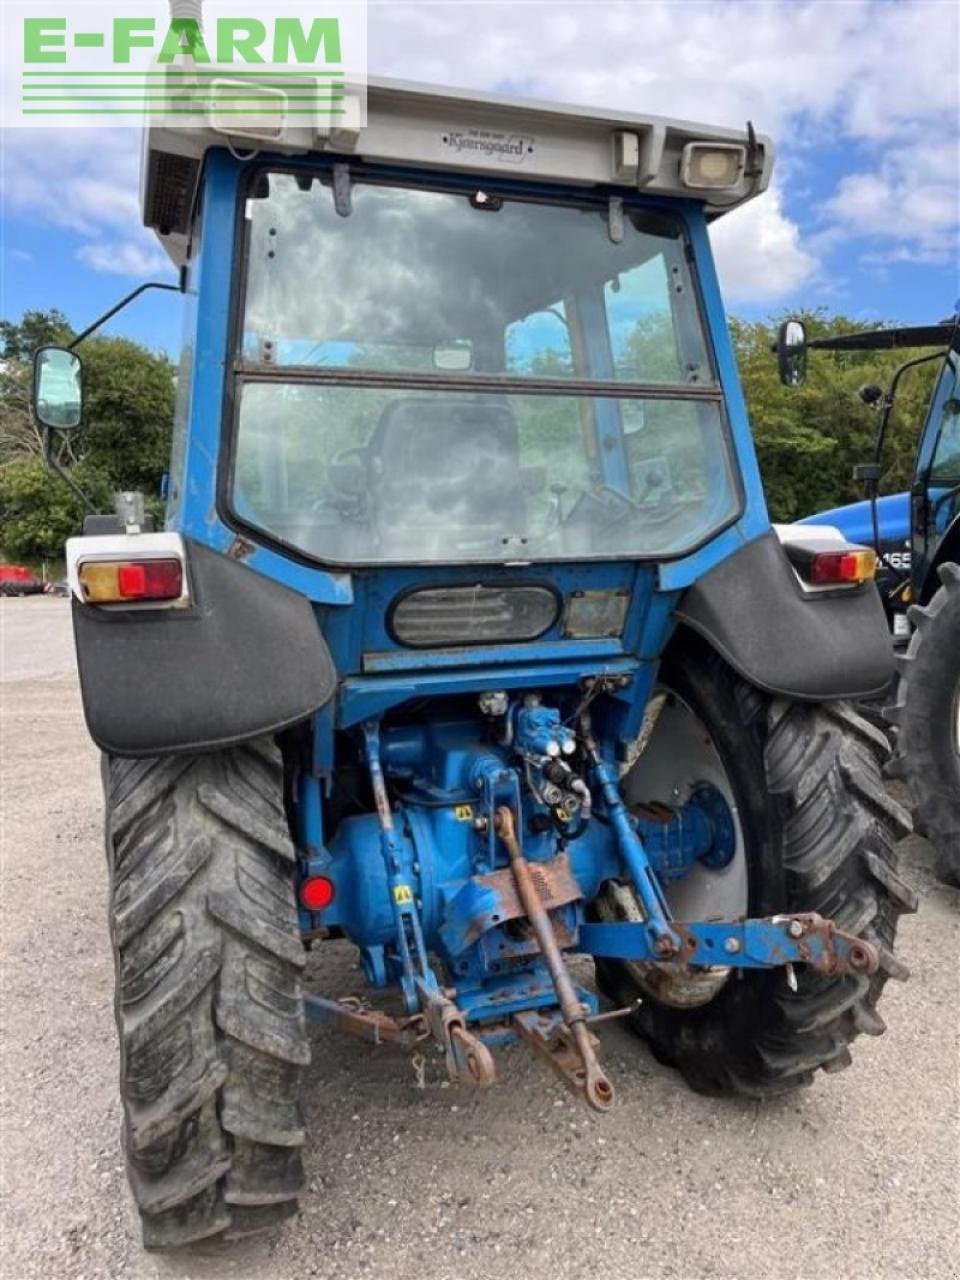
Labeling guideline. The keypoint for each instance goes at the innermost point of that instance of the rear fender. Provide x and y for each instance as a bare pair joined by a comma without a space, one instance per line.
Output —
239,655
812,645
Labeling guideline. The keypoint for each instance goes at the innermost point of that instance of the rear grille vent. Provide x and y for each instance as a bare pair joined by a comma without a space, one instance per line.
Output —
170,184
473,615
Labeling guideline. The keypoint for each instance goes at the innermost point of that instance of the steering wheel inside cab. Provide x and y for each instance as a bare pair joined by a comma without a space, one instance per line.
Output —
349,476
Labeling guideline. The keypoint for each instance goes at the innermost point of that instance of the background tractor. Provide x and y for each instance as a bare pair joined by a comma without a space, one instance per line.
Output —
917,540
467,638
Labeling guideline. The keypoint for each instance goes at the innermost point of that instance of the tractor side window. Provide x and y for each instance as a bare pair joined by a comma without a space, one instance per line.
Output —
644,338
539,344
945,467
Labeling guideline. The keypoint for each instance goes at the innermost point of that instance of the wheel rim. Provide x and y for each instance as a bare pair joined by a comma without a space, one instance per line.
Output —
678,755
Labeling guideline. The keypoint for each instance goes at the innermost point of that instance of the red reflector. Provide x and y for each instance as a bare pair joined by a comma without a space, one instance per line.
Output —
150,580
317,893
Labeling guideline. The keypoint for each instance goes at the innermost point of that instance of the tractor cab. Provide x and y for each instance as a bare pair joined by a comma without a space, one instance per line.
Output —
468,639
450,356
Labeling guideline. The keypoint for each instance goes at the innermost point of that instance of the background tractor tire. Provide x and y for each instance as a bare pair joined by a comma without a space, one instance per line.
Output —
818,832
208,1000
926,720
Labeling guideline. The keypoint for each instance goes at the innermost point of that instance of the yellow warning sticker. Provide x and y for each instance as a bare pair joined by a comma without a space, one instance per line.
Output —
463,812
402,895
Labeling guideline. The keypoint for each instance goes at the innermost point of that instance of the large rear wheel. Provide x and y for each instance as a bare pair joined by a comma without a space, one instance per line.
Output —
208,1000
815,832
926,720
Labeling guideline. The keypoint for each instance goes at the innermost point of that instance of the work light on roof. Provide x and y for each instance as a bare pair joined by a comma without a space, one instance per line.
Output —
712,166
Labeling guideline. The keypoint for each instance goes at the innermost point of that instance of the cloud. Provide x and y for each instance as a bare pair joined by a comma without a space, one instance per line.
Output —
909,202
80,179
124,258
759,254
759,59
84,181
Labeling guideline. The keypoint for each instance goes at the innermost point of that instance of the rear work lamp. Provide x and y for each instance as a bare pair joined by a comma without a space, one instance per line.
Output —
712,166
131,581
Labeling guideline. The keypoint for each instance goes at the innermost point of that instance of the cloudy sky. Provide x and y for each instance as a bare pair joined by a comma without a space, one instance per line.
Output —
861,96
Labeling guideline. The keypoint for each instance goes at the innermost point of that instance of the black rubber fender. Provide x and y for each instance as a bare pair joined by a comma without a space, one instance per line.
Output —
244,659
753,611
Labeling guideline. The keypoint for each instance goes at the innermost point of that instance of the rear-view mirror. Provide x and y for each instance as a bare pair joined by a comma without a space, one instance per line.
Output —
57,388
792,353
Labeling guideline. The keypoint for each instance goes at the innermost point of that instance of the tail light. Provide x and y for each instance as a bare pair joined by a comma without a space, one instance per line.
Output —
838,568
317,892
130,581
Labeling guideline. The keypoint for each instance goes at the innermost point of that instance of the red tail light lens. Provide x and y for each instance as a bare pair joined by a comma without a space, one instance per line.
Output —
842,566
150,580
317,893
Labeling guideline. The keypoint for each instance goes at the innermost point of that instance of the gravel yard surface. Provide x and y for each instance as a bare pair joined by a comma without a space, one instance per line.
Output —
856,1177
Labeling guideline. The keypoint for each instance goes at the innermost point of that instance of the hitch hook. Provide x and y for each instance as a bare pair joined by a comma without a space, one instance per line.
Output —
466,1057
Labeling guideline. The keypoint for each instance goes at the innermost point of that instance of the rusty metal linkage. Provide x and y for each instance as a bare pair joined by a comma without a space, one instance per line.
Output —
357,1019
597,1088
553,1040
771,942
612,1015
467,1058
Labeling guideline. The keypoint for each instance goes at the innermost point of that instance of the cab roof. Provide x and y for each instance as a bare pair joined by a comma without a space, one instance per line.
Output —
434,127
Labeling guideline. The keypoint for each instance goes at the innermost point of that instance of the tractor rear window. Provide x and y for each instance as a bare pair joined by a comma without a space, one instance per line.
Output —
445,376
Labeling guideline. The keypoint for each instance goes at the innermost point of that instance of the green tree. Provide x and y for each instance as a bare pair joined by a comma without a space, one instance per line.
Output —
124,442
37,510
36,329
19,434
809,438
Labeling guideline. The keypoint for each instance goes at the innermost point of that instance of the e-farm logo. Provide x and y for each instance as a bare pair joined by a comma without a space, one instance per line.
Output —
239,67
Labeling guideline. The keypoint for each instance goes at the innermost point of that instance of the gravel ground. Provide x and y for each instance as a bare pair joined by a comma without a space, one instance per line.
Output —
856,1177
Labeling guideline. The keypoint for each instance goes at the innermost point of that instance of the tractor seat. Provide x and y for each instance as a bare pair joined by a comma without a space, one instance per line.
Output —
446,467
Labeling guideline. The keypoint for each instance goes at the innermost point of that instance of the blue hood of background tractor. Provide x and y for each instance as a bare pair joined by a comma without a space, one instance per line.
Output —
855,523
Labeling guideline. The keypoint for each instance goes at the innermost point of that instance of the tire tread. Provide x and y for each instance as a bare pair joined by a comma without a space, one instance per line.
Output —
209,1003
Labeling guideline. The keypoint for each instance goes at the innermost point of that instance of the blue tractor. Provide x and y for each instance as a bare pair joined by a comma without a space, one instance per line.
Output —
468,639
916,537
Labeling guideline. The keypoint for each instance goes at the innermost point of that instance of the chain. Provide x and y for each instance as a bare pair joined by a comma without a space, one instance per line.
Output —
419,1064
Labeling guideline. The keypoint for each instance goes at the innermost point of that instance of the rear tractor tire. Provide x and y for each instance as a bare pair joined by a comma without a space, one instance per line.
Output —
208,1001
926,721
816,831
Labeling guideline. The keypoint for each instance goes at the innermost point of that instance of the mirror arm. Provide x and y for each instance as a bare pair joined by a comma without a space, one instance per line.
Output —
890,398
54,466
107,315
